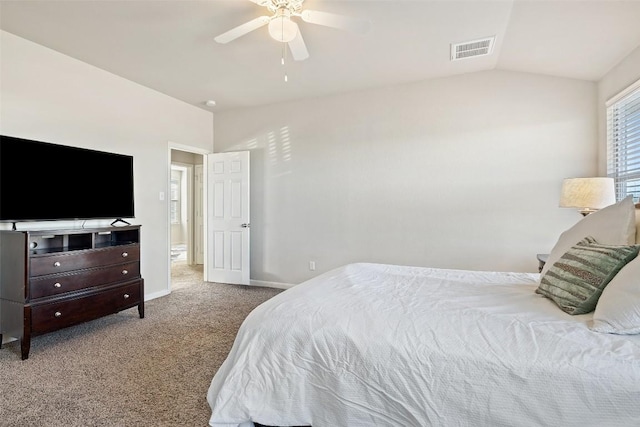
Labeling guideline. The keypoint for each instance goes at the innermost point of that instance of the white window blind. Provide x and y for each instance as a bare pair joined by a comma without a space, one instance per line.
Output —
623,142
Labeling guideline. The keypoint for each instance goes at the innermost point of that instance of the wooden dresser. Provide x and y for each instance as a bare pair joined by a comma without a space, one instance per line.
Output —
52,279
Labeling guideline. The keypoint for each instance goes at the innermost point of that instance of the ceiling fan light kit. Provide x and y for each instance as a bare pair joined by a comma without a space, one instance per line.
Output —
284,29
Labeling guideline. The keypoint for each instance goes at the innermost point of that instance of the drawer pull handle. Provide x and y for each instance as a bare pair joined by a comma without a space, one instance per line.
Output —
57,314
57,285
56,264
125,271
125,254
126,296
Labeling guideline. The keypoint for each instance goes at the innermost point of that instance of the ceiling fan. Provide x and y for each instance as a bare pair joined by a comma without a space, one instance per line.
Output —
284,29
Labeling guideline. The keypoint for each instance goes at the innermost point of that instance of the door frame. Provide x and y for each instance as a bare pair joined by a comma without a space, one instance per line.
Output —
187,169
198,220
205,153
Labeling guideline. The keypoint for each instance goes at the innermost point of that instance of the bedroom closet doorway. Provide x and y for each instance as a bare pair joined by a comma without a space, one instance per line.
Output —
186,219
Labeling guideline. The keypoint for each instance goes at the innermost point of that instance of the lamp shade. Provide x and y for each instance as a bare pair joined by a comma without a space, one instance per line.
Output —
587,194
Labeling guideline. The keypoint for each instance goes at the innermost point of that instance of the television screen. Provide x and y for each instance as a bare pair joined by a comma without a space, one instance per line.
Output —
41,181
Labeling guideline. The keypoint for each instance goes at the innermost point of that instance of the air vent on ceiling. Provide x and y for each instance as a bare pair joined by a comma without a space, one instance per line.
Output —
480,47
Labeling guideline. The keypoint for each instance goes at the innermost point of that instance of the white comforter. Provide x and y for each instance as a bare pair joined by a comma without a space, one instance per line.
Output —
386,345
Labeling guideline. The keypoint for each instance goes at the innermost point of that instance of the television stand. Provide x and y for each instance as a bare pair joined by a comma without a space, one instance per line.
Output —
119,220
53,279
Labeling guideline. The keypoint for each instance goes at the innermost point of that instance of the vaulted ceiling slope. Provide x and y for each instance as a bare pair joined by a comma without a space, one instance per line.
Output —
169,45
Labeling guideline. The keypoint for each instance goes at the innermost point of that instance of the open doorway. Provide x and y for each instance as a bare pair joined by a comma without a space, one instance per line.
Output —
186,219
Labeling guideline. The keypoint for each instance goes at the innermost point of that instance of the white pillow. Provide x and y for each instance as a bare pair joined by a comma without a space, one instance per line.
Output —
618,309
613,225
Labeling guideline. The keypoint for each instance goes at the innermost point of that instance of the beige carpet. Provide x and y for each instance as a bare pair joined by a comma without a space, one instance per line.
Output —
125,371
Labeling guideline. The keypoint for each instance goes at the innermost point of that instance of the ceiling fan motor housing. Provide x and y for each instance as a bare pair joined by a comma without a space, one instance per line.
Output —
292,6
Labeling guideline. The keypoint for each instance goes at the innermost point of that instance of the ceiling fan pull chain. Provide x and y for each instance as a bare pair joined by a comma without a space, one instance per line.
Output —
284,53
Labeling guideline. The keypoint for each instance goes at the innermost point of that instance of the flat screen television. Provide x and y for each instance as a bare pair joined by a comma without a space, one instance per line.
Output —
41,181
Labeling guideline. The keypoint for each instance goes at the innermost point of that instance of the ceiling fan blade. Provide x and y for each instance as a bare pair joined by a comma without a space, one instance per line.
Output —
243,29
298,48
336,21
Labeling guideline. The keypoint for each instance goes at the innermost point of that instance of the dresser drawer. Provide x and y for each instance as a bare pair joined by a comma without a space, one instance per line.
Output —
60,263
52,316
55,284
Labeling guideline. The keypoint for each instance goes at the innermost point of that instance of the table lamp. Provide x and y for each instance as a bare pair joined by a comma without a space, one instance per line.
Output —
587,194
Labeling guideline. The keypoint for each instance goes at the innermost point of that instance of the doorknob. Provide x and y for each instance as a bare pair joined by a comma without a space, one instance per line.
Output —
246,225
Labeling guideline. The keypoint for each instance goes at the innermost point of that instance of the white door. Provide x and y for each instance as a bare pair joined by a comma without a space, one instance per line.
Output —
228,218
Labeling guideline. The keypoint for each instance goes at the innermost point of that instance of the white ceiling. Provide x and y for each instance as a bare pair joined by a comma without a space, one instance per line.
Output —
169,46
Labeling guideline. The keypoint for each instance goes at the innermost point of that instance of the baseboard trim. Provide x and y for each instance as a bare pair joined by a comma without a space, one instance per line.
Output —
6,339
156,295
276,285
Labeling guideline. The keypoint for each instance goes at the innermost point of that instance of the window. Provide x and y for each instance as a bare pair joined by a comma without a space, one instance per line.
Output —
623,142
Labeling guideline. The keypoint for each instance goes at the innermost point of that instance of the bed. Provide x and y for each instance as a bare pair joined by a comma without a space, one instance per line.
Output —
387,345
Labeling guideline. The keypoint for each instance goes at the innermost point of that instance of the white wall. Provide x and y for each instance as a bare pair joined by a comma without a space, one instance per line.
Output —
619,78
51,97
461,172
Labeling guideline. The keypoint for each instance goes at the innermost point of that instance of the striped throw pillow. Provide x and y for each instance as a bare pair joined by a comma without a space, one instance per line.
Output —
576,281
